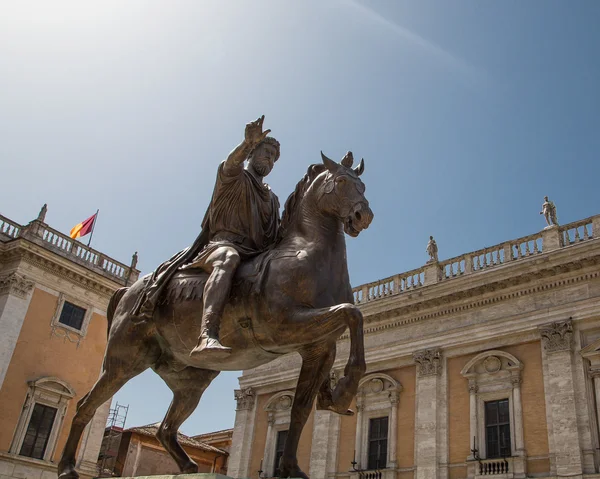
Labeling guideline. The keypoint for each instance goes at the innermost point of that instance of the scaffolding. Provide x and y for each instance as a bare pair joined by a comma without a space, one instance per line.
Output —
111,441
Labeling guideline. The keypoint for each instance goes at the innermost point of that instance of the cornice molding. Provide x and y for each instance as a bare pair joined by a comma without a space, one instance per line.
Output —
30,256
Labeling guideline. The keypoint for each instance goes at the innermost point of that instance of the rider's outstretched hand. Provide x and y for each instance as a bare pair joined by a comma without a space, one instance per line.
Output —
254,134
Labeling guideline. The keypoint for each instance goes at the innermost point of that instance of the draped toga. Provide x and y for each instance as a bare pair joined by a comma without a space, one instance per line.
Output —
243,214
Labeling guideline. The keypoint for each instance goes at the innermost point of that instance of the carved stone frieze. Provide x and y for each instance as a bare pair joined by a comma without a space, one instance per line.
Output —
16,285
557,336
245,398
282,403
428,362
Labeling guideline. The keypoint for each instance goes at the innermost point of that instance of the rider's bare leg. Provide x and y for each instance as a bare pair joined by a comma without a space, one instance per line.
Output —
222,264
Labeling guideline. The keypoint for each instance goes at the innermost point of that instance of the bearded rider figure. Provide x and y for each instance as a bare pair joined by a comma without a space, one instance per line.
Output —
242,221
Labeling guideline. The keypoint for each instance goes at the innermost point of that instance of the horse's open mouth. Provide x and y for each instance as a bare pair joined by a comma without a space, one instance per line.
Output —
350,229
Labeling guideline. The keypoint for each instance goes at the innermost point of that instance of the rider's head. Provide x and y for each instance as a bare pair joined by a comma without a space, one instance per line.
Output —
264,156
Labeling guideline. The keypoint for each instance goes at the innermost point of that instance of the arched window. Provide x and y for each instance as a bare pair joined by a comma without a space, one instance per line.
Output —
376,423
496,415
278,409
41,418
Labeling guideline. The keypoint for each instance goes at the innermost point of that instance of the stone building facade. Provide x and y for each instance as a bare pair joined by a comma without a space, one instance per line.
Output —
487,364
53,297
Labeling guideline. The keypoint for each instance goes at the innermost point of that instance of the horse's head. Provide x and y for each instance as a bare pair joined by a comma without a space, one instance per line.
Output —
342,194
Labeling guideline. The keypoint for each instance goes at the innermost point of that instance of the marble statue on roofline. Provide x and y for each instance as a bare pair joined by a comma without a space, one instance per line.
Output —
432,250
549,212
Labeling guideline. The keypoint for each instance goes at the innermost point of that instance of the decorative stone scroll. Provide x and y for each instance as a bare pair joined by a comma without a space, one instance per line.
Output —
16,285
557,336
245,398
428,362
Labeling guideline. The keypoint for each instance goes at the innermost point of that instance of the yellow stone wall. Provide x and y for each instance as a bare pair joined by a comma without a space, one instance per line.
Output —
38,354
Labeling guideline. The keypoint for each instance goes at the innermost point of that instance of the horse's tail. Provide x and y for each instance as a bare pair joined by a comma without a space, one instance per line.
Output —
112,305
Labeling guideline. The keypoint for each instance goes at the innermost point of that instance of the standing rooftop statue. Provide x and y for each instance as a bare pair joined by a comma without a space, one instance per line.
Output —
42,214
549,212
432,250
268,299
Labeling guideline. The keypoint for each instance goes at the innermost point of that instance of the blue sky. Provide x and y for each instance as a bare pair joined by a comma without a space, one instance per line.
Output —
467,113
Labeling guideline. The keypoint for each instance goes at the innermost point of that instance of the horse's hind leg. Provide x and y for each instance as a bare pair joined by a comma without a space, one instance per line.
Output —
120,365
188,386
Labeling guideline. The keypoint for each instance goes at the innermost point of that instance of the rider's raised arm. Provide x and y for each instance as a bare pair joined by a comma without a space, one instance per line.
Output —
234,164
253,135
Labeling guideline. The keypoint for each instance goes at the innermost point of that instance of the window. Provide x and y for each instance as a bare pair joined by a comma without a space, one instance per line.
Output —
378,433
38,431
41,418
497,429
72,315
281,437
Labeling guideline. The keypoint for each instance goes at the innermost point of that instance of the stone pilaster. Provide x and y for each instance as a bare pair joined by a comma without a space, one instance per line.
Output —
358,438
322,443
393,448
92,440
560,398
243,434
426,444
15,295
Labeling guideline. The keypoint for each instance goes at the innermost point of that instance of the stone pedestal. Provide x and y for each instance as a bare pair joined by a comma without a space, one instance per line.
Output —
432,273
551,239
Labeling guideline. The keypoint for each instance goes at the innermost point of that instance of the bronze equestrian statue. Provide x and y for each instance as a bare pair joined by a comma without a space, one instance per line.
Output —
295,296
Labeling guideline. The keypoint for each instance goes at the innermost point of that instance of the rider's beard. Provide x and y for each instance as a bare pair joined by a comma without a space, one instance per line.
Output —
262,169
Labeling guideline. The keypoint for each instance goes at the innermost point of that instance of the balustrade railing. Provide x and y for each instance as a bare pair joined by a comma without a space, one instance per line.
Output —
8,227
396,284
65,246
492,467
476,261
374,474
577,231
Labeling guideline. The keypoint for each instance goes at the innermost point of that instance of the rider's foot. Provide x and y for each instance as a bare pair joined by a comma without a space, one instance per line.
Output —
209,347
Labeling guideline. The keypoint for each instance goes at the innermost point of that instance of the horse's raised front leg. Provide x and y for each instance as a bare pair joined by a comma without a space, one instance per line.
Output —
323,321
316,364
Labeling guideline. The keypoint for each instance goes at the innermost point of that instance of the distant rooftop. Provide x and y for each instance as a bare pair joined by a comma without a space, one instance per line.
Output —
151,429
38,232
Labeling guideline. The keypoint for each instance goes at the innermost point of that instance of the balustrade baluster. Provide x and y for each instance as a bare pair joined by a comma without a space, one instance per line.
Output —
586,235
527,250
535,247
577,238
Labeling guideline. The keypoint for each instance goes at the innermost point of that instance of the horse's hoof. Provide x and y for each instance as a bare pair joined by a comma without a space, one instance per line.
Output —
68,473
190,468
347,412
292,472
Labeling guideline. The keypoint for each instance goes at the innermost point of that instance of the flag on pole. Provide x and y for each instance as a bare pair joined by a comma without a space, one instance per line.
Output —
83,228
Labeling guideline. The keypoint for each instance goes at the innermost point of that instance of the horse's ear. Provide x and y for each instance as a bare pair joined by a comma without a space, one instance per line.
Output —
359,170
331,165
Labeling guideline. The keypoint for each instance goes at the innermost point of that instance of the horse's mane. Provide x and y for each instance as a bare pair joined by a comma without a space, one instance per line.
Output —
290,210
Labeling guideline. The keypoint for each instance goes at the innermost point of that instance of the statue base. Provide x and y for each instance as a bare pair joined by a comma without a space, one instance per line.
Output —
198,475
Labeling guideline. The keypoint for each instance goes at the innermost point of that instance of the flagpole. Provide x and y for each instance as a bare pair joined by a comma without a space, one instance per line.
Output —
93,227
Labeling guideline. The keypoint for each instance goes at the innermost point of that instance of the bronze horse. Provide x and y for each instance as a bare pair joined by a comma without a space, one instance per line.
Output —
294,297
